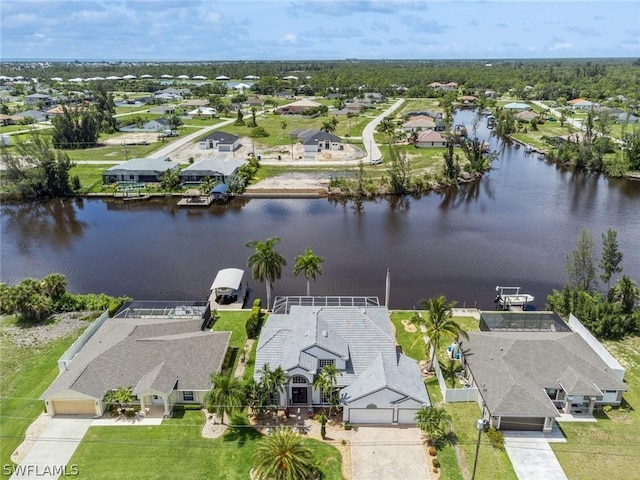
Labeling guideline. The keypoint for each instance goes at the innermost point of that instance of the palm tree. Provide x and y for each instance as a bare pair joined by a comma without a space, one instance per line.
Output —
207,184
273,381
54,285
121,397
226,396
327,383
438,324
434,422
309,265
266,264
328,127
283,456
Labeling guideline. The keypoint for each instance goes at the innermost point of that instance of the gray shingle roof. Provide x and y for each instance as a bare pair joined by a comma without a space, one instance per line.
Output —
210,166
144,353
155,165
222,137
512,369
314,137
361,336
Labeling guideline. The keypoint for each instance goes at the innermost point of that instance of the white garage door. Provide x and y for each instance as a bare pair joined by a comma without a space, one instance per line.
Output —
74,407
407,416
371,415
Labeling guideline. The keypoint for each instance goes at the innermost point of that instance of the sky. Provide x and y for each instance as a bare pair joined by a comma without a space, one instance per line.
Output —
212,30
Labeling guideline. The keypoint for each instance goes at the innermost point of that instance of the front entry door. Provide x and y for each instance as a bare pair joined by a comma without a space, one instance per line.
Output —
299,395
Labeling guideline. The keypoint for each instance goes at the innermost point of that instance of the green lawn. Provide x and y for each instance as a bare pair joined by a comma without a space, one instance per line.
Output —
18,128
609,448
117,152
25,373
90,176
549,129
422,159
418,105
176,449
492,463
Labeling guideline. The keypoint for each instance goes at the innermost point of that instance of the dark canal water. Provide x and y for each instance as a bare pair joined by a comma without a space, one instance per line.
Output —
513,228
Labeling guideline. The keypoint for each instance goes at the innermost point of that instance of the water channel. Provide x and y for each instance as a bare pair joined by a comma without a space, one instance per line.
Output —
512,228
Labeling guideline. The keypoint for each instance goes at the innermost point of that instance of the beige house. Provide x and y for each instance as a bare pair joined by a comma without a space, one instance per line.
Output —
430,139
419,122
159,352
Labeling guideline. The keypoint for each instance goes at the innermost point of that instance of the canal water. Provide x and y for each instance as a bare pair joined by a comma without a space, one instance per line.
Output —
512,228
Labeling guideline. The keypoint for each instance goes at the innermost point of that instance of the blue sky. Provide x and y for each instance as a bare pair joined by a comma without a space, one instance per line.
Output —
317,29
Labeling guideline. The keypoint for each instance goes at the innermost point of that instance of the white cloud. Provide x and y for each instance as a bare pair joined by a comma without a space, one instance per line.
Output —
289,38
561,46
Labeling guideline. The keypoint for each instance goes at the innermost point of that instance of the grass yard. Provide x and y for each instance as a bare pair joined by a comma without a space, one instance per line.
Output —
18,128
422,159
609,448
550,129
418,105
492,463
117,152
90,176
176,449
25,373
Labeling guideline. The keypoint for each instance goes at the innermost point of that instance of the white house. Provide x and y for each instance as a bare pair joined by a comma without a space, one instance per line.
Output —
419,122
377,384
221,141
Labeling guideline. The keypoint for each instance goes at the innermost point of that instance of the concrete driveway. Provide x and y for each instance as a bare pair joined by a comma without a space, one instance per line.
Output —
531,455
384,453
48,457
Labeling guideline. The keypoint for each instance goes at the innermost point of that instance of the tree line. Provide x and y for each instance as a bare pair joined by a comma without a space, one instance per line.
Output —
34,300
609,313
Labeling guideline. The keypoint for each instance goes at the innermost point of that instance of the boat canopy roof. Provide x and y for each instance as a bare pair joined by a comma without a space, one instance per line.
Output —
228,278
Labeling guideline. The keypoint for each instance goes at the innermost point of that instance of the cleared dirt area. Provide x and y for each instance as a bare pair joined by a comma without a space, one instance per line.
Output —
282,152
293,181
132,138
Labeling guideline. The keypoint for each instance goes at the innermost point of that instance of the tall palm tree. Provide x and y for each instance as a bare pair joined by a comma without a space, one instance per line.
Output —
266,264
438,324
435,422
283,456
327,383
309,265
207,184
226,396
273,381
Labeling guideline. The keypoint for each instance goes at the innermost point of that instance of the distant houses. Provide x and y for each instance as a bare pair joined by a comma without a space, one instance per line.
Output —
516,106
444,87
298,107
155,125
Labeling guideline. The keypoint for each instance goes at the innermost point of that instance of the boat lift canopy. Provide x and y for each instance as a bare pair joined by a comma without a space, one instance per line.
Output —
227,281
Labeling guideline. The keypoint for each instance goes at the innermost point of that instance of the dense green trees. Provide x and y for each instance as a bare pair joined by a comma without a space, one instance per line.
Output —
35,300
612,314
75,127
36,169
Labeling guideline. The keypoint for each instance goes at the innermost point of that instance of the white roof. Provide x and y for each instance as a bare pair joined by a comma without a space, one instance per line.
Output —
183,76
199,77
228,278
203,111
146,75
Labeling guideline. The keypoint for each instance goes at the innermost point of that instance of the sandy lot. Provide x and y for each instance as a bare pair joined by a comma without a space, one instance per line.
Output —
293,181
282,152
132,138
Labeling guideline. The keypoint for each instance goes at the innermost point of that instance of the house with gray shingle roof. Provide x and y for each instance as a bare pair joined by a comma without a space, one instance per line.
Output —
221,141
378,384
218,168
164,359
139,170
527,376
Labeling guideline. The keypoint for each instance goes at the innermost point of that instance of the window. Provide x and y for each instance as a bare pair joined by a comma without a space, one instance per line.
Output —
325,397
324,363
187,396
553,393
298,379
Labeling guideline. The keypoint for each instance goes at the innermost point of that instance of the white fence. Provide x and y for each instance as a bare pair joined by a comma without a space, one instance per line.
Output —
453,395
67,357
603,353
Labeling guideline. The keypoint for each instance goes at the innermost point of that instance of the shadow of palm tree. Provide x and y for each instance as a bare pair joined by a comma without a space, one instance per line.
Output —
240,430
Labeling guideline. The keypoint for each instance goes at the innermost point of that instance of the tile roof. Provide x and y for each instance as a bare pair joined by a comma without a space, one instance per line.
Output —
361,336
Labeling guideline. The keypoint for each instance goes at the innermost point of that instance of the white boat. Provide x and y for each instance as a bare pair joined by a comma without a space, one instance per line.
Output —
511,297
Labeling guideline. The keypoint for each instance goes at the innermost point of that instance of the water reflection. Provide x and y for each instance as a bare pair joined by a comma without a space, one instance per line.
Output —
54,220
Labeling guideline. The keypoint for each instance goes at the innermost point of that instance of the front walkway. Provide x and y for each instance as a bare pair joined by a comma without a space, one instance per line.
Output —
531,454
49,456
383,453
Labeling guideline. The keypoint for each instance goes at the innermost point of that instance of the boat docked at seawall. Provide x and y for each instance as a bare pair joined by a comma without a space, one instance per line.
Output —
510,298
